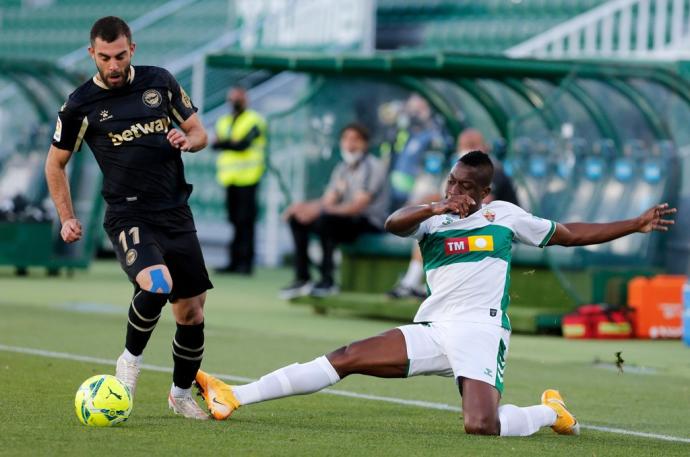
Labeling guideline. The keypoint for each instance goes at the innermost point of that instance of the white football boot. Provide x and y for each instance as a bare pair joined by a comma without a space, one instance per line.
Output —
186,406
127,372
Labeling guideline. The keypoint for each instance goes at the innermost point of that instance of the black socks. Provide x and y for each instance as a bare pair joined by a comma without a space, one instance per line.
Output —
188,350
144,312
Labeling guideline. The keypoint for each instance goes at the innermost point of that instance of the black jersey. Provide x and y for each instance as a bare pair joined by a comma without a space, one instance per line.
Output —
126,129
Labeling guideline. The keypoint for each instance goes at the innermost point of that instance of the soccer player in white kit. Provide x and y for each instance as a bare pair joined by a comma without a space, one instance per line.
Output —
462,329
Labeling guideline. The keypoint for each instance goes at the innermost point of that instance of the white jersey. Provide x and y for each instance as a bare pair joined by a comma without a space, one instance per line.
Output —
467,261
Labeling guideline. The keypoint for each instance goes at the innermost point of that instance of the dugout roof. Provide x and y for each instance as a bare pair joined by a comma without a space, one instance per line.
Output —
607,93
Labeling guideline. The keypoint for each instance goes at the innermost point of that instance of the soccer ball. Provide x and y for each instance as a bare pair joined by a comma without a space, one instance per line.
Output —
102,401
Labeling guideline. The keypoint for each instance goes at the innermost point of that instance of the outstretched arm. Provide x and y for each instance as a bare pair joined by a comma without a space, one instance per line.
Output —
583,234
406,220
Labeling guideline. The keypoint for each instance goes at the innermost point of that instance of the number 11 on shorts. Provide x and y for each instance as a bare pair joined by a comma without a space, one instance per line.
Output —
134,233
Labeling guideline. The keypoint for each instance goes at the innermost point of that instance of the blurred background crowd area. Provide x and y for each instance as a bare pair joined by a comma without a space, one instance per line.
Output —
583,102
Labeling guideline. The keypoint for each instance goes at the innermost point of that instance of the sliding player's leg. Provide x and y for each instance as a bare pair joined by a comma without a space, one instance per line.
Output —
382,356
483,416
478,354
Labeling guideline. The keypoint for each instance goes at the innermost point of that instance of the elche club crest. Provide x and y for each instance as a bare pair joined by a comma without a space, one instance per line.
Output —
489,215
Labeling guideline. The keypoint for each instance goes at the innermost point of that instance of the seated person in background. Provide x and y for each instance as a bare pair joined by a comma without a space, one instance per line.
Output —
501,189
501,186
354,202
423,134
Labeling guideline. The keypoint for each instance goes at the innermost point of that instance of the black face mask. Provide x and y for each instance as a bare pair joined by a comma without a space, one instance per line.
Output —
416,121
237,106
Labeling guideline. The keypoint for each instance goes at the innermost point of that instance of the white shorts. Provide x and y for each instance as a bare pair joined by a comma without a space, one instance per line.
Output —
459,349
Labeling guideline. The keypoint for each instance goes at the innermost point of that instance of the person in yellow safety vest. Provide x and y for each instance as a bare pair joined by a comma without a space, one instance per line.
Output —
241,138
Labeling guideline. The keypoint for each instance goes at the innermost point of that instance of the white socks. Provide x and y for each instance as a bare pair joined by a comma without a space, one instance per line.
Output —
178,392
413,275
524,421
295,379
131,358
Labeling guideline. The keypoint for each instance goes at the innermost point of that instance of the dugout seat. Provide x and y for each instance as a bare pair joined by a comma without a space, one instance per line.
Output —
640,178
515,166
374,262
584,170
562,174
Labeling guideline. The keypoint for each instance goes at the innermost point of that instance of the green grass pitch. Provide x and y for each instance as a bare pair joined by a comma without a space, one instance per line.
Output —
250,332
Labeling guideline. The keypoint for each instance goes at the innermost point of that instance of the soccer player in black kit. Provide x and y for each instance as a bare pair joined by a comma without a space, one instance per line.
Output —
125,115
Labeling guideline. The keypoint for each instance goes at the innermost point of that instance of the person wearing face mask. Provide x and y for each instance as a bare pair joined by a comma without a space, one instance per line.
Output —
355,202
424,135
241,138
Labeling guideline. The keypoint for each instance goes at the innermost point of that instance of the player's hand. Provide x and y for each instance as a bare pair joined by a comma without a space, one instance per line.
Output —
179,140
71,230
653,218
454,204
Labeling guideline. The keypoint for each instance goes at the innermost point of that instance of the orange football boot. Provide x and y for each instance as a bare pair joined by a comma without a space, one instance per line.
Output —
565,424
220,399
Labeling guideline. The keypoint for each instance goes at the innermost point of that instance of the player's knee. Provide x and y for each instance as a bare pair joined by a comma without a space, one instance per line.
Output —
190,316
155,279
481,424
338,361
189,311
346,359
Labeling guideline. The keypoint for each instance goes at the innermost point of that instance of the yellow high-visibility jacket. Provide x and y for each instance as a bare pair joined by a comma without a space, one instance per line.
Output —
241,167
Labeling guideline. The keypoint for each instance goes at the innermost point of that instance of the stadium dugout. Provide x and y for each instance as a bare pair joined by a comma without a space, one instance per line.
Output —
585,140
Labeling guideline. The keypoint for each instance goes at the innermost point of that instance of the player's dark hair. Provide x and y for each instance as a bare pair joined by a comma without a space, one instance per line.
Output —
109,29
482,163
360,129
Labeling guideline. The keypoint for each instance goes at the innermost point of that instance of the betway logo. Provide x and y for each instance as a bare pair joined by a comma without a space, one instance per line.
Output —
469,244
138,130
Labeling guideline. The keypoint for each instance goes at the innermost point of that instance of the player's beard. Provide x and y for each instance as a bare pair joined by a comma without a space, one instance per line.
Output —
124,77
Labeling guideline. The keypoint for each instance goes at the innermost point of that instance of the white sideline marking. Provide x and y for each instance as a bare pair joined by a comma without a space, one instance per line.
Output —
342,393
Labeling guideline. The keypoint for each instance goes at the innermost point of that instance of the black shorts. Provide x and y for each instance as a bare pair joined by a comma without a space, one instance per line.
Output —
139,245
